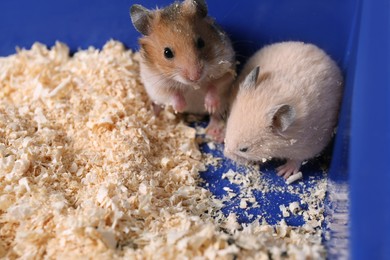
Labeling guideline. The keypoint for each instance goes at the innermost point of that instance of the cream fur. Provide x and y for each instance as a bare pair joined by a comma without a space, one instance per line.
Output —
300,75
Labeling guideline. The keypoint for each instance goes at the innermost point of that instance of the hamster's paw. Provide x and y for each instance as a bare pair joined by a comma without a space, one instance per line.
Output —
157,108
179,102
212,101
216,130
291,167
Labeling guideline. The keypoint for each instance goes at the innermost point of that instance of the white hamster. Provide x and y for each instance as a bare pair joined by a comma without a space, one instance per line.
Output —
286,106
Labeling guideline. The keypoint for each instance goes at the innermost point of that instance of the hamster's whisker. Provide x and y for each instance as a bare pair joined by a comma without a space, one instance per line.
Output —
161,77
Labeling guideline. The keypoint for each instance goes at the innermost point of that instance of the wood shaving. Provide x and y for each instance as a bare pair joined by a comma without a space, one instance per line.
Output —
294,207
294,178
285,211
88,171
211,145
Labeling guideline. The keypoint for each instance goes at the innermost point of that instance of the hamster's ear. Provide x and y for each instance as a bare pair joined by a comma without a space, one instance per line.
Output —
199,6
141,18
282,117
251,79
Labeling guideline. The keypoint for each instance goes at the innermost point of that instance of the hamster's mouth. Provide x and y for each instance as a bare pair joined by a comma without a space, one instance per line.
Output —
240,159
196,84
236,157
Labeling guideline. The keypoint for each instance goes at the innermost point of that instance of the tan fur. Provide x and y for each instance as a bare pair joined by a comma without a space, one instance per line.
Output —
293,73
178,27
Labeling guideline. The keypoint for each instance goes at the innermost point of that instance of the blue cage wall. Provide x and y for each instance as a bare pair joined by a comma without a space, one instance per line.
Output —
356,33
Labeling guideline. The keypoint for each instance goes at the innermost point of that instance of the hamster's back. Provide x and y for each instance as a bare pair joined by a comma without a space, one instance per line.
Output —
298,73
305,77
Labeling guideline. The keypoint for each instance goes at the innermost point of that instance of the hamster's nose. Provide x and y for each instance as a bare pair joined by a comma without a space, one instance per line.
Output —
194,74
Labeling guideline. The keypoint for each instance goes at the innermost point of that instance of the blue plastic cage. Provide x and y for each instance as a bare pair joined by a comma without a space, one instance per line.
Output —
356,33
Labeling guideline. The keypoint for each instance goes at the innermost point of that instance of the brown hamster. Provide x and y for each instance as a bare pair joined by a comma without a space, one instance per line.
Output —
286,106
187,61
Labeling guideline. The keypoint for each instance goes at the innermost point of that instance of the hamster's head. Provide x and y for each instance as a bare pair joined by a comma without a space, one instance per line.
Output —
179,41
255,130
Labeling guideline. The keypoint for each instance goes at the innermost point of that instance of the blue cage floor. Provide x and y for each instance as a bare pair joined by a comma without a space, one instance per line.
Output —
256,193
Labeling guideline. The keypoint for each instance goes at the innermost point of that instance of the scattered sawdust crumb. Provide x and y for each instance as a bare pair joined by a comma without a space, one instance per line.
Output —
294,177
294,207
211,145
285,211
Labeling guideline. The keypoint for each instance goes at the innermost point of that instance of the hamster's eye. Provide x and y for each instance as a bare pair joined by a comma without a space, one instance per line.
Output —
244,149
168,53
200,43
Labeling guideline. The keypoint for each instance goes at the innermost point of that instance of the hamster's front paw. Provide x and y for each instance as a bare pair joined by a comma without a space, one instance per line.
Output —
289,168
212,101
157,108
179,102
216,129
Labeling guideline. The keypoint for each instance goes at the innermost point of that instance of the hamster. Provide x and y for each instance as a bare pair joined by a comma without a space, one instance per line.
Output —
187,60
286,106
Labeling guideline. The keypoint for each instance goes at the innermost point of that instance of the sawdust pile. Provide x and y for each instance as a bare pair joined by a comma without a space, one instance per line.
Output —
86,169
